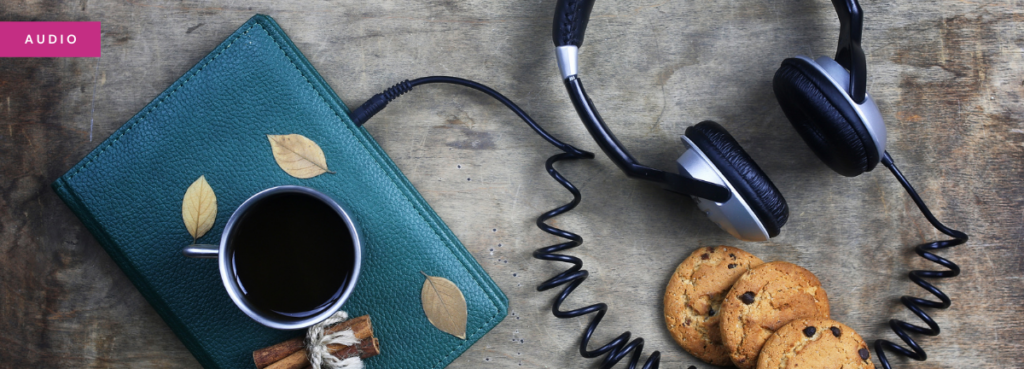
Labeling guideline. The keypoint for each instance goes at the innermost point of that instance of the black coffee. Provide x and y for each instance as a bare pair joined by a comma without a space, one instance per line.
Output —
292,254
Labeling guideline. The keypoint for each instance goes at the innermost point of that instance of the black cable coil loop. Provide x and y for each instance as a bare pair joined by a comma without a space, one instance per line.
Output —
618,348
621,346
917,276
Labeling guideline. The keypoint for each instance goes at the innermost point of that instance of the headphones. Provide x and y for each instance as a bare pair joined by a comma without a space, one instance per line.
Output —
826,102
824,99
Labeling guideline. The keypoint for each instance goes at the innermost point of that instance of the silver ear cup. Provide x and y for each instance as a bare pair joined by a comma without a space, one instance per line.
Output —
733,216
867,111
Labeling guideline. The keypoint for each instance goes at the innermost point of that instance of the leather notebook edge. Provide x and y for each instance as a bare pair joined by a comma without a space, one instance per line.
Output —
65,189
68,196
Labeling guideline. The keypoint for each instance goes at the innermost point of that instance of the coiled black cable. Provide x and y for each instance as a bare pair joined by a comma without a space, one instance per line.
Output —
574,276
917,276
621,346
618,348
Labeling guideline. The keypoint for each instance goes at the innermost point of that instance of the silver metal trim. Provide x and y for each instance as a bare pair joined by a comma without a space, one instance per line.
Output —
227,275
867,111
568,60
201,251
733,216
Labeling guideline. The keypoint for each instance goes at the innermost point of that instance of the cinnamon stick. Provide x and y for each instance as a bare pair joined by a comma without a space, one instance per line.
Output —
368,348
363,349
269,355
287,354
293,361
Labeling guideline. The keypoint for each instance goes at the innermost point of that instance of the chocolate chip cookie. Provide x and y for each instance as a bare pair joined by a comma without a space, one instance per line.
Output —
763,300
694,297
815,343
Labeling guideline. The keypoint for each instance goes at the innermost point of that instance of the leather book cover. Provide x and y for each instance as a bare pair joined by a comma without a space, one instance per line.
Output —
214,122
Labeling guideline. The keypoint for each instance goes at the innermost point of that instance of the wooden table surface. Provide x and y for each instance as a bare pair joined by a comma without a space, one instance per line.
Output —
947,75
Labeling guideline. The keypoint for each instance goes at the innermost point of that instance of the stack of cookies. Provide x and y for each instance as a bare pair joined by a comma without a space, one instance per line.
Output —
726,306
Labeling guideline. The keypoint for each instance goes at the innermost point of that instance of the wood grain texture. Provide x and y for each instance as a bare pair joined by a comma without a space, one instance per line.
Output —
947,75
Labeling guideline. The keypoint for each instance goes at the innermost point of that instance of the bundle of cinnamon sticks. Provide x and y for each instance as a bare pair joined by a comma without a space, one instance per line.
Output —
291,354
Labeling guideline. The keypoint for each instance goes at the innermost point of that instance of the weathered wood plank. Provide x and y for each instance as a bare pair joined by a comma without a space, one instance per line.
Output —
946,74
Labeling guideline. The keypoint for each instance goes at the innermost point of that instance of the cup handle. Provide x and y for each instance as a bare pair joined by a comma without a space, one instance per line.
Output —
201,251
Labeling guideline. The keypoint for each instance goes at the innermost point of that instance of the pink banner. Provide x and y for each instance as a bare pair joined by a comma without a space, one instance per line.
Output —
49,39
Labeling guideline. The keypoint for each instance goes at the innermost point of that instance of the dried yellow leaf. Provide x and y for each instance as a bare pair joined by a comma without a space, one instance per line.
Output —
199,208
444,305
298,156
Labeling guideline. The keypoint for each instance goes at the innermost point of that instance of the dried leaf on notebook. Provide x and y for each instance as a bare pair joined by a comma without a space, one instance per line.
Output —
298,156
444,305
199,208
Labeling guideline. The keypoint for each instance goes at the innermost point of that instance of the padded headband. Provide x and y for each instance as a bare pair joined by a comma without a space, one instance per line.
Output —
571,17
570,23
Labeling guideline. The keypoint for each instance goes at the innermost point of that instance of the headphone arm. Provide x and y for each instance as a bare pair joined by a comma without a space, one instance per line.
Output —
614,149
849,54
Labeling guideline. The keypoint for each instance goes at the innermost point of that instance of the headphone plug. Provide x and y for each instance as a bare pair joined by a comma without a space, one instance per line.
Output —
377,103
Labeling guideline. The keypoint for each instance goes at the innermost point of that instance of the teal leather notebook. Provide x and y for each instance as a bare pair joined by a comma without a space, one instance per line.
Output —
214,121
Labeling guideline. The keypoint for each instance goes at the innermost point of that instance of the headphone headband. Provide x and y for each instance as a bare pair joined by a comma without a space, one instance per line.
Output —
568,28
571,17
570,22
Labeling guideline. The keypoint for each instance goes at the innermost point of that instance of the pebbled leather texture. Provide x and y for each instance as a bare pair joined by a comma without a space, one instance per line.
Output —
213,121
822,116
570,23
743,173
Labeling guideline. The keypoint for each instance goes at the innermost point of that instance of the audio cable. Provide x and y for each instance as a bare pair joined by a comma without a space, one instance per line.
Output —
621,346
917,276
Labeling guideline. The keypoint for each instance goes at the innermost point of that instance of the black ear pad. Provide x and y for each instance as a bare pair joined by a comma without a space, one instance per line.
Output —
742,173
820,112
